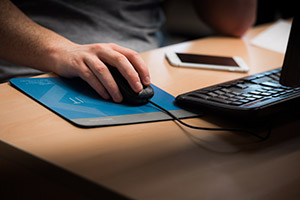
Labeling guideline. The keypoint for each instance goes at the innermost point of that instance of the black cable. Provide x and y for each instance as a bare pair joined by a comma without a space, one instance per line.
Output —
210,129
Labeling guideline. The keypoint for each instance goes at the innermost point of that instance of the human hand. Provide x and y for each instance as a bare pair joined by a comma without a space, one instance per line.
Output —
87,62
26,43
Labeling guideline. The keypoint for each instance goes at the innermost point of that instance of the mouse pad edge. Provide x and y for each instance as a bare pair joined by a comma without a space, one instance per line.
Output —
66,98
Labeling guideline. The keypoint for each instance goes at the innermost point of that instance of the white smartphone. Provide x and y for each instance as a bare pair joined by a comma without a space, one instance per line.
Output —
234,63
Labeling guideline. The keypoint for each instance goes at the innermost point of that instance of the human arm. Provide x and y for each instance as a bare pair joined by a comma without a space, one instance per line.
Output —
24,42
230,17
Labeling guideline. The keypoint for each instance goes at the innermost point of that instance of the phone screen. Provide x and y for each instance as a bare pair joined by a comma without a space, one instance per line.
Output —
209,60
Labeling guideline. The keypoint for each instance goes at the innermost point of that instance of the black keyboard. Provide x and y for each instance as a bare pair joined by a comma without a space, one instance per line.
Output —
259,95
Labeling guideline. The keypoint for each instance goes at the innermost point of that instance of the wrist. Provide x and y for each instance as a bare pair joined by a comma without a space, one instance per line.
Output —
56,54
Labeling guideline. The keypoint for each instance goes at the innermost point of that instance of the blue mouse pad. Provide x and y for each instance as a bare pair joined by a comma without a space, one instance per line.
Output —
76,101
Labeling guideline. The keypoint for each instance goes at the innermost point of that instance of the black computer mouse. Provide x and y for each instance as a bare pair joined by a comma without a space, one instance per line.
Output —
129,96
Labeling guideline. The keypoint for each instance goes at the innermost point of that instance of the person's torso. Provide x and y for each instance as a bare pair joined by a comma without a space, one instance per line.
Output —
132,23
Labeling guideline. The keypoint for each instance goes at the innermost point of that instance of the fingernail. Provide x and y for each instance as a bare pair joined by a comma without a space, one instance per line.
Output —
138,86
118,97
105,96
147,80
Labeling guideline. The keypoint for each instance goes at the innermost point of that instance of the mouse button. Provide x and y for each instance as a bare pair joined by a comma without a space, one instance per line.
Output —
146,93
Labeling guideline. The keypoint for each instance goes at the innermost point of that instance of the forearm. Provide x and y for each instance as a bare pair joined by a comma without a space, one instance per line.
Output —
24,42
232,17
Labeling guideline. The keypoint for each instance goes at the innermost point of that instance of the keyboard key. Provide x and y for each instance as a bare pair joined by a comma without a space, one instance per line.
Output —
219,92
272,91
236,103
202,96
226,90
255,92
223,97
275,77
249,78
257,96
229,95
220,100
261,90
212,88
247,95
201,91
244,101
241,86
265,94
271,84
250,98
236,93
239,97
227,85
268,73
276,70
279,89
212,94
232,99
267,88
283,93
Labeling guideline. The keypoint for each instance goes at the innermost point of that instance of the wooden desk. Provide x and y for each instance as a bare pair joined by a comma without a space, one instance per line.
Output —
163,160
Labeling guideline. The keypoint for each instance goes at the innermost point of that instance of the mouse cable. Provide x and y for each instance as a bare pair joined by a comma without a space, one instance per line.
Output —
210,129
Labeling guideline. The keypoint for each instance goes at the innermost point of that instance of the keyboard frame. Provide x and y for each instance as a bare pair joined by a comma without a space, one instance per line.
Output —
264,107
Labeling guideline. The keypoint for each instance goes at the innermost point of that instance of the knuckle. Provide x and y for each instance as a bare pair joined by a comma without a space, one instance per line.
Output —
132,74
97,47
120,58
112,45
86,74
76,61
101,69
134,55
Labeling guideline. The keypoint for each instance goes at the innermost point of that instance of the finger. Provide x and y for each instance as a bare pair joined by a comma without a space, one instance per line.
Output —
93,81
104,76
137,62
120,61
